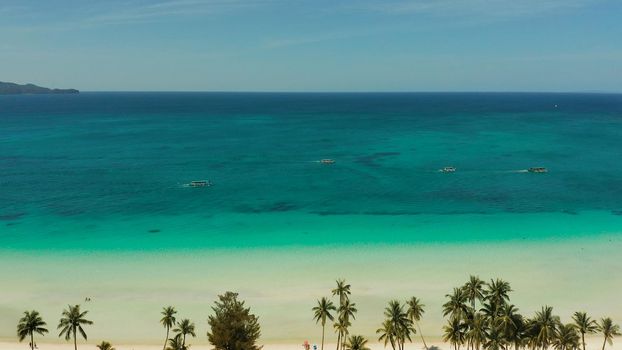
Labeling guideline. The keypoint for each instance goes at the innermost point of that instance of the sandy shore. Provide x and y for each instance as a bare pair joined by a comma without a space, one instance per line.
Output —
593,343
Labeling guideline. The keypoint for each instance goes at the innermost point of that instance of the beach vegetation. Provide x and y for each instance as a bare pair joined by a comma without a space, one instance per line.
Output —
30,324
233,326
72,322
104,345
168,321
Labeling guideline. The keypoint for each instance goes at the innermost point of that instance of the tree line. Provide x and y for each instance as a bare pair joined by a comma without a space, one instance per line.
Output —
479,316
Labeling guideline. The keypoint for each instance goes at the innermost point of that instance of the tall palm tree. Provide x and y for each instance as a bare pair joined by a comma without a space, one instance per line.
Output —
474,289
356,342
478,331
321,312
508,322
176,343
415,312
30,324
387,334
454,332
585,325
346,311
105,346
456,306
497,293
71,323
342,290
185,327
495,340
547,324
401,324
609,330
566,337
341,328
168,320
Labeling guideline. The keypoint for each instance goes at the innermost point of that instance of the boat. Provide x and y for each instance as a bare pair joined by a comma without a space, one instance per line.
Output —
327,161
448,169
199,183
537,170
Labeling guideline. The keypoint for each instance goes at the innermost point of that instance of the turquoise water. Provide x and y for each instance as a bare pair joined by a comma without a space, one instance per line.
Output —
106,170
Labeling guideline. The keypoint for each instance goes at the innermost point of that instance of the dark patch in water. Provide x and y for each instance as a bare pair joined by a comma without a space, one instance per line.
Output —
155,230
616,212
11,223
11,216
370,160
275,207
570,212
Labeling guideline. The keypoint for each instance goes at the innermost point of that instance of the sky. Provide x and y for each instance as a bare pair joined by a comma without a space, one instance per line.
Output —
300,45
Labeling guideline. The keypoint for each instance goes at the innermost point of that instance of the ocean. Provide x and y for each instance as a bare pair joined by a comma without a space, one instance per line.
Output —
94,185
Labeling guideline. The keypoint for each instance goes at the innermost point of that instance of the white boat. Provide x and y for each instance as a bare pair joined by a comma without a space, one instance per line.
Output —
200,183
327,161
448,169
537,170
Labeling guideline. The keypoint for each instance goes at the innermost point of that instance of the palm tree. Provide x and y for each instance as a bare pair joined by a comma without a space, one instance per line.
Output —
168,320
415,312
341,328
71,323
105,346
508,322
387,334
497,293
176,343
401,324
456,306
495,340
184,328
345,310
321,312
454,333
609,330
342,290
474,289
547,324
30,324
356,342
478,331
566,337
584,324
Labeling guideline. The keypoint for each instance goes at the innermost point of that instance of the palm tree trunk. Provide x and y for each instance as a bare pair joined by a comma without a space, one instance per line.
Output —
183,344
338,340
75,341
604,342
423,340
583,339
32,342
323,326
166,339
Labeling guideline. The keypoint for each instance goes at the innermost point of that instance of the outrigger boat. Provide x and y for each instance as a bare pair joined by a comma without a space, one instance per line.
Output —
327,161
200,183
537,170
448,169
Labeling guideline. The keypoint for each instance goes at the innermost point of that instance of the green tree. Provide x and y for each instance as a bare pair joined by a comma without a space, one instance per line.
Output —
474,290
400,323
168,321
356,342
477,332
341,328
104,345
342,290
233,326
584,324
185,327
30,324
387,334
546,323
609,330
566,337
415,313
71,323
456,306
346,311
176,343
453,332
321,312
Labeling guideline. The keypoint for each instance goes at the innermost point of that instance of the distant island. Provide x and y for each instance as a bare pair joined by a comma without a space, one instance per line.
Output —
17,89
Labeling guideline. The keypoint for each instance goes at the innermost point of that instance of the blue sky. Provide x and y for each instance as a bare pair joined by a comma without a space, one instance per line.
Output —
299,45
